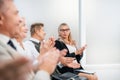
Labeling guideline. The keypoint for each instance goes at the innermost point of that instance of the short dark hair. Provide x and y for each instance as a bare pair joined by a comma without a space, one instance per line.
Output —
35,26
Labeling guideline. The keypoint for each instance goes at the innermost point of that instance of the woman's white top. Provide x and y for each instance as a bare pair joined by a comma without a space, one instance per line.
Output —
71,48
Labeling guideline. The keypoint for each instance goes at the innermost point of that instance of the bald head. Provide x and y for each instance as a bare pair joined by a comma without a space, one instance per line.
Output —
1,1
2,4
9,18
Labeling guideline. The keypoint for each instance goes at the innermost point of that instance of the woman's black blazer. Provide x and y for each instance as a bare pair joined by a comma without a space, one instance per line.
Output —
61,45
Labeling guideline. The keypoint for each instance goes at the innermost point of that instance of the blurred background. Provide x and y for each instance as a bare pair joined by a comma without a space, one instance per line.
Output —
92,22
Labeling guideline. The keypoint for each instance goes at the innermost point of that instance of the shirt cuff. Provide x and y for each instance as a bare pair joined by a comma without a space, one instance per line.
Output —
42,75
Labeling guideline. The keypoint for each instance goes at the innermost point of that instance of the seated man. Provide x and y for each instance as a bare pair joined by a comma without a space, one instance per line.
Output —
9,26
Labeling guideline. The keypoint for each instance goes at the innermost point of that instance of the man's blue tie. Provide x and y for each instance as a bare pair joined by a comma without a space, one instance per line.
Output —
11,44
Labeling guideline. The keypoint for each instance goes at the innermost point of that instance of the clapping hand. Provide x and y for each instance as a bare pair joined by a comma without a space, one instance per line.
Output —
50,60
16,69
80,50
47,45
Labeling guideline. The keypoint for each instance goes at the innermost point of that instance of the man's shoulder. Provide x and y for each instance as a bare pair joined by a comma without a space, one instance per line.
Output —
6,52
3,46
29,45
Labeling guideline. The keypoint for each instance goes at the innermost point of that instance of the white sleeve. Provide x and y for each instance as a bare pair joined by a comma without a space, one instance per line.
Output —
42,75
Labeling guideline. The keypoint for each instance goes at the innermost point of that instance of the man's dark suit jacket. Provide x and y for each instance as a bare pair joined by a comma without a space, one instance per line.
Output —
60,45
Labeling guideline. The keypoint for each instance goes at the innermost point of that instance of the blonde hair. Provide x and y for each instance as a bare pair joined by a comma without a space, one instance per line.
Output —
21,24
71,41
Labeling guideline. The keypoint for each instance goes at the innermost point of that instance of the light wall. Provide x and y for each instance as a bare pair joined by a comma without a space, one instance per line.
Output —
103,31
100,29
52,13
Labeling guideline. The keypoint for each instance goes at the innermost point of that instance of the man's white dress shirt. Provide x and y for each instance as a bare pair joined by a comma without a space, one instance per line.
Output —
30,47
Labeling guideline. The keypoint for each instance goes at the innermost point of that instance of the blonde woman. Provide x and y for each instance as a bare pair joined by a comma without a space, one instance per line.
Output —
65,41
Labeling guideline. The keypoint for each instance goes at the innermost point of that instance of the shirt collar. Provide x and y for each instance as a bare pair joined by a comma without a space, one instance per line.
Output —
36,40
4,38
